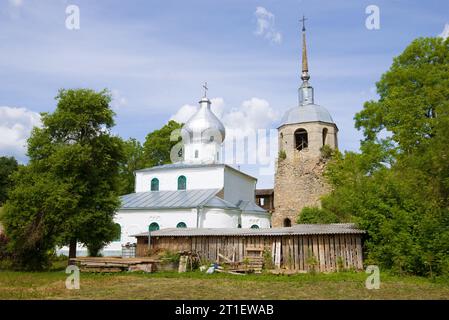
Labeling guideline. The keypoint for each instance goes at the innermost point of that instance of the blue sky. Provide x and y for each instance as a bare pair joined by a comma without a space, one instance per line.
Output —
155,55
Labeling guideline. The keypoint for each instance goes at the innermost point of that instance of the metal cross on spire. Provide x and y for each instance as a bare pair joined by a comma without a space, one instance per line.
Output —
205,89
303,20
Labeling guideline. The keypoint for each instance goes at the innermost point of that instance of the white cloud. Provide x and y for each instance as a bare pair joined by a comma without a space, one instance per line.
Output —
118,100
15,128
266,25
186,111
253,114
445,33
16,3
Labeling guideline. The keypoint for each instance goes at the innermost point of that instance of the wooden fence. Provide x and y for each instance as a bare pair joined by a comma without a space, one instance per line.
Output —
324,252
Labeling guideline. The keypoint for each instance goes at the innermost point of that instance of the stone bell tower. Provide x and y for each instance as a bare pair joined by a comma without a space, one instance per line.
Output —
302,133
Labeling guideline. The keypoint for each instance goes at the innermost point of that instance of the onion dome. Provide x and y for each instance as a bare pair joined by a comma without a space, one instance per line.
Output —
203,126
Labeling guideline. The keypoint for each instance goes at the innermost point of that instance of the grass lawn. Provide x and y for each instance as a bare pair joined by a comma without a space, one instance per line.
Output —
195,285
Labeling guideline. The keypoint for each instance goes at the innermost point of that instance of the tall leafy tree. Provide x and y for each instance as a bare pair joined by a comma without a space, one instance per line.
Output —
68,192
397,187
158,144
133,161
8,165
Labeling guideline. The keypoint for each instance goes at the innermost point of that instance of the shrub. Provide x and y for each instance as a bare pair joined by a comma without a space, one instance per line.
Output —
326,152
170,256
315,215
267,260
4,254
282,155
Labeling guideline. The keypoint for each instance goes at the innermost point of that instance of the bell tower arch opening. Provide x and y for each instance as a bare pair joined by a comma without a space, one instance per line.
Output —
325,131
301,139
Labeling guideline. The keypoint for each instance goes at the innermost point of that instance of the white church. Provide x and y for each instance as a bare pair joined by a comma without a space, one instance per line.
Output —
199,191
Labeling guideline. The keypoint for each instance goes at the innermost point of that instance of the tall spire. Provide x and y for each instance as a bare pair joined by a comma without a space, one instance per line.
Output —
305,90
305,65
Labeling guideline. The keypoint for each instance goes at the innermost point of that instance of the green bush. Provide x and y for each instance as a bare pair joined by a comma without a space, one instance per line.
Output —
316,215
282,155
268,260
170,256
326,152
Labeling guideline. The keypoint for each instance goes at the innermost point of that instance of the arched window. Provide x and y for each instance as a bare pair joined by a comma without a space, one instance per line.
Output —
119,233
324,136
287,222
239,226
181,225
197,153
182,183
155,184
153,226
254,226
301,139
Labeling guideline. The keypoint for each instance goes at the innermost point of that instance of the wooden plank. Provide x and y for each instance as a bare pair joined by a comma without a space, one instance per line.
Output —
296,252
240,251
359,252
337,251
300,253
329,253
332,253
342,251
348,253
291,258
321,253
353,251
325,252
315,251
277,260
306,249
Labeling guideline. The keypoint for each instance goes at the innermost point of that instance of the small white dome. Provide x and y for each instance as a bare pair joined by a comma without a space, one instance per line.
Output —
203,126
306,113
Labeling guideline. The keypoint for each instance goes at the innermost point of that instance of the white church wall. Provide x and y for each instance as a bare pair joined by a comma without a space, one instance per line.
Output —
238,186
250,219
197,178
219,218
137,221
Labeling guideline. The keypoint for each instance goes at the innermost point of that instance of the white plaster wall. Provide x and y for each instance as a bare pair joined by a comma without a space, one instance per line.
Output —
219,218
137,221
249,219
238,186
197,178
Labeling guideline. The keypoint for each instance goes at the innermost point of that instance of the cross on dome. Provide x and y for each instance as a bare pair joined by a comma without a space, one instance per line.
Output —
205,89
